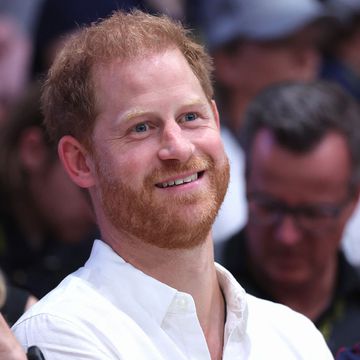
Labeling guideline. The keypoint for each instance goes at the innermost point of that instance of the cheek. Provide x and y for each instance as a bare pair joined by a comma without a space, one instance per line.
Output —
331,244
322,252
261,240
131,167
213,146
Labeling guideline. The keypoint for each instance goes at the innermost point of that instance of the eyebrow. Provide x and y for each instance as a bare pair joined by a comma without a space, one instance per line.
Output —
133,114
138,112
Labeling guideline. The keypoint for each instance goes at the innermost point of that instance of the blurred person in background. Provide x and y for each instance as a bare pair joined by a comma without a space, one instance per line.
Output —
46,222
254,44
301,142
341,64
17,22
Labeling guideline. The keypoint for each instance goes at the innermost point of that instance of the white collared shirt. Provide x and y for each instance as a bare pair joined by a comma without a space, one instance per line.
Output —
110,310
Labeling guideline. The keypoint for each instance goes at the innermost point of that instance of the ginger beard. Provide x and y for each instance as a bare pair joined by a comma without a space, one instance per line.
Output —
140,214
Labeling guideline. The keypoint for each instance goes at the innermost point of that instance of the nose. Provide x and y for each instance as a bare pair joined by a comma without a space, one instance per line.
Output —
175,144
287,232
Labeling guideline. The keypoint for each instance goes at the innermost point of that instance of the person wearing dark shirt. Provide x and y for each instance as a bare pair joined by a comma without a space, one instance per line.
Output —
46,223
302,173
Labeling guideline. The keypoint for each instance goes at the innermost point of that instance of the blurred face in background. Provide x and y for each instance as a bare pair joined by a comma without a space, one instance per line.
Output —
298,207
254,64
63,206
55,203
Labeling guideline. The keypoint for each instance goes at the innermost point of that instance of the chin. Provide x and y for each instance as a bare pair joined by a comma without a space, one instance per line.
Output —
288,277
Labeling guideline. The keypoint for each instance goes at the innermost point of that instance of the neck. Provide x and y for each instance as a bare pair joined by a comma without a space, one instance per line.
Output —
188,270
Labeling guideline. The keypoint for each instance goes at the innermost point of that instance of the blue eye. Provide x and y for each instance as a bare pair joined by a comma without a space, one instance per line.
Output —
141,127
190,117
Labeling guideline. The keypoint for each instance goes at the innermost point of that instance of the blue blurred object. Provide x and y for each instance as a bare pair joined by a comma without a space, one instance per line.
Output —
223,21
335,70
339,64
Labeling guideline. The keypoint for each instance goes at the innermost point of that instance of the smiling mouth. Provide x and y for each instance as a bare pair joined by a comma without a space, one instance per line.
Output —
181,181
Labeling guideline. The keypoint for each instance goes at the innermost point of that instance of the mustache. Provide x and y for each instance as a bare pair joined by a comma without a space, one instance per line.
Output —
172,168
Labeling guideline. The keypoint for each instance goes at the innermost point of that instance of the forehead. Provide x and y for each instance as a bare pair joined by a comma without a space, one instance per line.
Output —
156,73
325,168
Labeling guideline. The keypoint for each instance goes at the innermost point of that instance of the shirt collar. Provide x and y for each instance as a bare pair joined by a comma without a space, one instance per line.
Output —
236,304
115,279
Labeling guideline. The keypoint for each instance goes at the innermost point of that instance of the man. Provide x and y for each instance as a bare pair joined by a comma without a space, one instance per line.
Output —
303,173
341,64
255,44
130,100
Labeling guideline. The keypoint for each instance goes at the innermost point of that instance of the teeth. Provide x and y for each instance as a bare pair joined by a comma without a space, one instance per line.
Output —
188,179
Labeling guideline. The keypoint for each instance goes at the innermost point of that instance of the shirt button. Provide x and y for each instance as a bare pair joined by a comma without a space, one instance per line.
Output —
182,303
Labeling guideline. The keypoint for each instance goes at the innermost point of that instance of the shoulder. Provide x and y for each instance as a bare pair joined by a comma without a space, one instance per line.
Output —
63,304
75,299
75,321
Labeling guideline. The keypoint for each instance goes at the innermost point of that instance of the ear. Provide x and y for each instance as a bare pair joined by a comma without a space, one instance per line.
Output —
216,113
76,161
33,151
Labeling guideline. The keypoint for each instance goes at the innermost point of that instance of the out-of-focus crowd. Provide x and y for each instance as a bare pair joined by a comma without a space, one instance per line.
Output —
46,223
